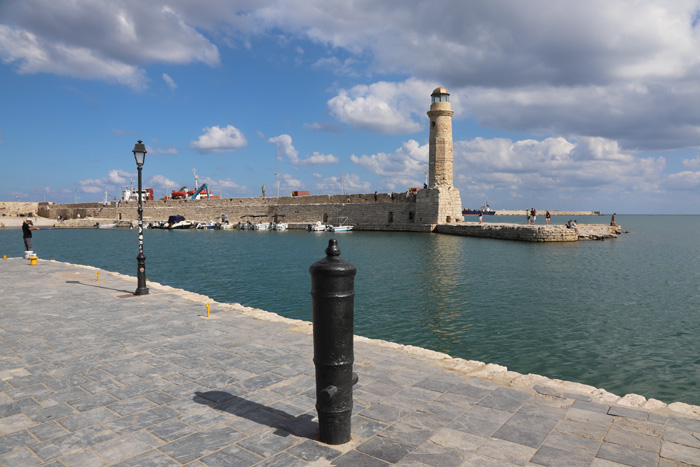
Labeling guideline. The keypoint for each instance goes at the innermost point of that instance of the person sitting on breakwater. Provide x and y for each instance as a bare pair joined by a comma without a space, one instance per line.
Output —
575,225
568,224
612,221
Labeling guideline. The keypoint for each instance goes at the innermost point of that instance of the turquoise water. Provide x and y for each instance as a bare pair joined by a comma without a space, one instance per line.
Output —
622,314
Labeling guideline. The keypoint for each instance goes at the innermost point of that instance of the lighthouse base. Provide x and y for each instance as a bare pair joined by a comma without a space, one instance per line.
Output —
439,205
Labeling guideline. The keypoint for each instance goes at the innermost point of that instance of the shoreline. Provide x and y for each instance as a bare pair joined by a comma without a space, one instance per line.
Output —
491,372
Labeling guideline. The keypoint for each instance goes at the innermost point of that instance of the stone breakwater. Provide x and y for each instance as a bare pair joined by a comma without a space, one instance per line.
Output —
531,233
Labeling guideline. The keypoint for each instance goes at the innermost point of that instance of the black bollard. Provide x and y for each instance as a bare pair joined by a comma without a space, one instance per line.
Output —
333,295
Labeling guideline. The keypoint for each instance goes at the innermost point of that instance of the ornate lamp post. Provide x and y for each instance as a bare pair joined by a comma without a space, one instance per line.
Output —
140,156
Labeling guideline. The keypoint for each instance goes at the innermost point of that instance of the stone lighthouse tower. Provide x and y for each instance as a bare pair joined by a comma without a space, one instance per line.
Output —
440,203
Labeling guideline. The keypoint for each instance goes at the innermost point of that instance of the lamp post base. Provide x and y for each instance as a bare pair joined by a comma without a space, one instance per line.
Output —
141,289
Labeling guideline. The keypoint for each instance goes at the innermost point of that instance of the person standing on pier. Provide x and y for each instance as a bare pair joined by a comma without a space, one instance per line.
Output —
527,216
533,213
547,216
27,227
481,216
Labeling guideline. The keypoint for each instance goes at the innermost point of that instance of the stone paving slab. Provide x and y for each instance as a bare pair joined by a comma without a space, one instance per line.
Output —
91,375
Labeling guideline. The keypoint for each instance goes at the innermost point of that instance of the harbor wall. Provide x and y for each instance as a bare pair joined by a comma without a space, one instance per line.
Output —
531,233
361,210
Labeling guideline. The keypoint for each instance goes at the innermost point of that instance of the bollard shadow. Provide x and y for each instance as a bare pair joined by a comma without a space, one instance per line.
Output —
100,287
284,423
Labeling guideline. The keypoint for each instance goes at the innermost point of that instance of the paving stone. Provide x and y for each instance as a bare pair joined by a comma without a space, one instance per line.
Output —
589,417
14,423
475,426
478,460
685,423
678,436
55,412
200,444
506,451
385,449
152,458
505,404
527,430
584,430
84,458
130,406
86,419
73,442
573,444
432,455
551,456
633,440
680,453
122,448
590,406
48,431
20,458
626,455
358,459
141,420
627,412
15,440
268,442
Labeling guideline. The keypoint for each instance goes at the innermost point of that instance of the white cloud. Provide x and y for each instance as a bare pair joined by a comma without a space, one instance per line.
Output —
159,151
162,182
284,148
383,107
691,163
319,159
99,40
169,81
403,168
219,140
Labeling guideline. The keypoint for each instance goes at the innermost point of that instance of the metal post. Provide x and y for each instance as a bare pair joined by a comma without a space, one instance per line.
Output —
141,259
333,295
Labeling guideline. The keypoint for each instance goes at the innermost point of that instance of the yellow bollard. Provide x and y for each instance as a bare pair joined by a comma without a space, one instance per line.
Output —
207,310
32,260
98,276
4,256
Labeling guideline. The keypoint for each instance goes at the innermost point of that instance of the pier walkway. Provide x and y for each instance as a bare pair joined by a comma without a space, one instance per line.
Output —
91,375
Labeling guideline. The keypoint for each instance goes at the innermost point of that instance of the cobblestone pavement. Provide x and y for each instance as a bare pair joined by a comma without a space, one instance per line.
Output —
91,375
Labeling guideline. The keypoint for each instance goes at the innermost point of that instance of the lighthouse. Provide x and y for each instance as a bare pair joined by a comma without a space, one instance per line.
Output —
440,203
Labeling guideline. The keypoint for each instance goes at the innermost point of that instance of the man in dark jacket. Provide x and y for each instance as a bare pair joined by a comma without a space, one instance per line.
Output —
27,228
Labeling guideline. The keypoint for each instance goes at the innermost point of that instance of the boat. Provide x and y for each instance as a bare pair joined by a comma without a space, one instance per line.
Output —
211,225
317,227
342,226
280,226
245,226
485,210
105,226
179,223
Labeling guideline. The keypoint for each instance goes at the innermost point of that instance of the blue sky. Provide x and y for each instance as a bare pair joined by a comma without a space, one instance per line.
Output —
558,105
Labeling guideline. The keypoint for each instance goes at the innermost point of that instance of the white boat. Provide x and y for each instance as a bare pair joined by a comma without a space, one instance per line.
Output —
317,227
261,226
206,225
225,225
280,226
105,226
341,226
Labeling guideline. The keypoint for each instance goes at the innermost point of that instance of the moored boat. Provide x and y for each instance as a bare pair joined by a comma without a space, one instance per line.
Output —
179,223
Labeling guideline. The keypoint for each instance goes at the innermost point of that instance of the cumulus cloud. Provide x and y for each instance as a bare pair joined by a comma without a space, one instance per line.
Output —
162,182
691,163
350,182
114,182
99,40
285,148
219,140
404,167
553,165
383,107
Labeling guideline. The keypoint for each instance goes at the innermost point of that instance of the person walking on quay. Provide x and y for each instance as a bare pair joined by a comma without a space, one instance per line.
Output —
481,216
547,216
527,216
27,227
533,214
375,196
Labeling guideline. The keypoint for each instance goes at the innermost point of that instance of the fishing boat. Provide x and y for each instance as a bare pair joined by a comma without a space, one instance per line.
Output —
280,226
485,210
342,226
317,227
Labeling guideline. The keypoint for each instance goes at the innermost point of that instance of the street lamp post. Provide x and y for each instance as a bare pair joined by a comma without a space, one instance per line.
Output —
140,156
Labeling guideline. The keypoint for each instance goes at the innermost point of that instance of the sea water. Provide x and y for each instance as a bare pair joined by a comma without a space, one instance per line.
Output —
621,314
